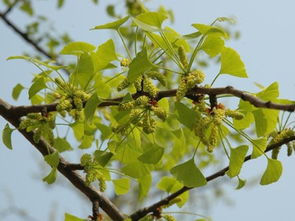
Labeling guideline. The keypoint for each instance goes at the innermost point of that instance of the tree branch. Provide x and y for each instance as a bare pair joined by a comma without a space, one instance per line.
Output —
24,110
143,212
44,148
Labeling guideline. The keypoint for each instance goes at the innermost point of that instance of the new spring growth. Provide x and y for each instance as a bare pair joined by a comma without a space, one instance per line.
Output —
125,62
94,172
182,57
280,136
188,81
40,124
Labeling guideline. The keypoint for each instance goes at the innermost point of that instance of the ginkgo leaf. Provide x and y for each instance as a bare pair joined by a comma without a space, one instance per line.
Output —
121,185
265,121
52,159
37,86
208,29
16,91
153,155
270,93
105,53
51,177
36,61
77,48
69,217
232,64
150,21
241,183
259,146
61,144
272,173
144,185
135,170
213,45
6,136
237,157
185,115
139,65
90,107
112,25
189,174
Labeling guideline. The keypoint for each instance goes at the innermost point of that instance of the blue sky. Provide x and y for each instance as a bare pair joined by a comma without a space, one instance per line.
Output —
267,47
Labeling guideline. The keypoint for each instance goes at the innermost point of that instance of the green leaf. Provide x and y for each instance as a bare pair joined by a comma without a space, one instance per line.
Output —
122,186
60,3
86,142
152,155
144,185
213,45
69,217
150,21
112,25
189,174
139,65
16,91
270,93
185,115
171,185
259,146
51,177
77,48
90,107
241,184
52,159
78,129
135,170
37,86
84,70
27,8
6,136
208,29
36,62
102,157
105,53
61,145
265,121
272,173
232,64
237,156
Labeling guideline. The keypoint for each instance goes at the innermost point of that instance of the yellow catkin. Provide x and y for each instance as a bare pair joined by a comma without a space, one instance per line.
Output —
182,57
125,62
234,114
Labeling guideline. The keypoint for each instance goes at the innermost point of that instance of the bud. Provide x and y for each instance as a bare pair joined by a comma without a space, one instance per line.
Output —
182,57
124,84
234,114
125,62
159,112
149,87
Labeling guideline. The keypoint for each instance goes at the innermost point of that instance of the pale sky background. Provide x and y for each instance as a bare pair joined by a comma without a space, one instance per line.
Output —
267,46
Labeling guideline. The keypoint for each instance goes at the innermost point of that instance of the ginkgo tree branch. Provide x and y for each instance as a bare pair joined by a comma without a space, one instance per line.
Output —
156,206
44,148
229,90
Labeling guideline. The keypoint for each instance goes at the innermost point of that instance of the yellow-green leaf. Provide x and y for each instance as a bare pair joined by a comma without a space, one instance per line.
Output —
90,107
272,173
232,64
61,144
16,91
139,65
121,185
189,174
37,86
135,170
152,155
265,121
6,136
259,146
51,177
237,156
241,183
185,115
52,159
208,29
213,45
150,21
270,93
69,217
105,53
77,48
112,25
144,185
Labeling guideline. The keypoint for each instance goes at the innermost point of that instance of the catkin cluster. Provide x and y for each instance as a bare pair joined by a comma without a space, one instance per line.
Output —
144,83
141,114
71,99
277,137
188,81
40,124
93,171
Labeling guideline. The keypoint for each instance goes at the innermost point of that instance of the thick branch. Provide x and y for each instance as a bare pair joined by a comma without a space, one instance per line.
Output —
44,148
143,212
23,110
